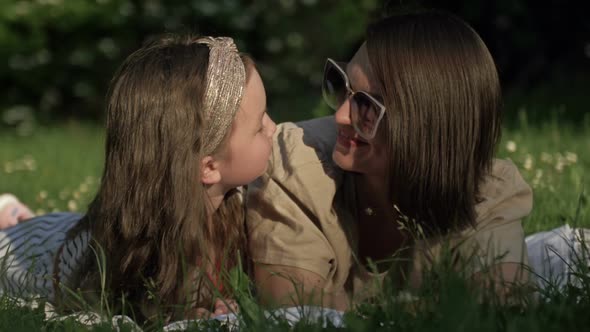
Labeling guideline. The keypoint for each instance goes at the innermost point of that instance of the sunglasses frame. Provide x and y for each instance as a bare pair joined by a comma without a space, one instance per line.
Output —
350,93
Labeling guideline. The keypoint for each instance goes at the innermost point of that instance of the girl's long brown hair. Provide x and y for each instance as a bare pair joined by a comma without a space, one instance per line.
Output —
149,216
441,89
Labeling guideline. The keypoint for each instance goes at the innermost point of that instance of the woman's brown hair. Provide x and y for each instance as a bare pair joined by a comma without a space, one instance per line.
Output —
149,216
442,93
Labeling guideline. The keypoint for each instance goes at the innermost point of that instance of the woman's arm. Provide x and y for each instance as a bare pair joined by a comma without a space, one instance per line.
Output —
505,279
290,286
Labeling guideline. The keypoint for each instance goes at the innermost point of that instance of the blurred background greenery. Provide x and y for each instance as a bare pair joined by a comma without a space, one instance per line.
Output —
59,55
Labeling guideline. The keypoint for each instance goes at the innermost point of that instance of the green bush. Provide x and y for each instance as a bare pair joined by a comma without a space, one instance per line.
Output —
60,54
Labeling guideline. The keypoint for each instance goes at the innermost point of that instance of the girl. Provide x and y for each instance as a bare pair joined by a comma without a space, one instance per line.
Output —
405,166
186,126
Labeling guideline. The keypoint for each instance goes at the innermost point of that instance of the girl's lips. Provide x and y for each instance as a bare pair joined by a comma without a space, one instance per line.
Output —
348,141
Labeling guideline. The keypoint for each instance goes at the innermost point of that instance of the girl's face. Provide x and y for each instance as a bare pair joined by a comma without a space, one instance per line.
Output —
246,156
352,152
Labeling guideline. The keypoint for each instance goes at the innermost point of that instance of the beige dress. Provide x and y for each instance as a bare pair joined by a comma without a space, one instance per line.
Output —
298,215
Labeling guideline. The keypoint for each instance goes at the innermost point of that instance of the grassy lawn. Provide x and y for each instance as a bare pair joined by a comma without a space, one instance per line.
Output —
57,169
54,169
554,158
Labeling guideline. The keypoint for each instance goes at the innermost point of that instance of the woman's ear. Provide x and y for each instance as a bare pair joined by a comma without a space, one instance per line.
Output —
210,171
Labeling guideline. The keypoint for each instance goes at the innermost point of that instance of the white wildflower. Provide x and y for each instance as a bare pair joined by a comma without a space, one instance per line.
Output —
72,206
559,165
8,168
571,157
528,162
511,146
537,178
42,194
83,188
546,157
29,163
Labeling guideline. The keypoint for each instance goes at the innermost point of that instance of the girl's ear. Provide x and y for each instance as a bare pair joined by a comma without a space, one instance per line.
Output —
210,171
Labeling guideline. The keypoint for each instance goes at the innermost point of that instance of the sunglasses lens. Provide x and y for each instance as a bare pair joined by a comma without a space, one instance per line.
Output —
364,114
333,87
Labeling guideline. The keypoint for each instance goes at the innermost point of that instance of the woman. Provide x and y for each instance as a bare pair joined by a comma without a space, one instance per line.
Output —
411,143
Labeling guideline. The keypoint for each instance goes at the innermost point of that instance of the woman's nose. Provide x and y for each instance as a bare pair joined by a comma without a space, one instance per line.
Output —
342,115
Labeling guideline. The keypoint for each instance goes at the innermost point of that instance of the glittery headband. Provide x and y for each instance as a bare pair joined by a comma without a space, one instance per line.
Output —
226,77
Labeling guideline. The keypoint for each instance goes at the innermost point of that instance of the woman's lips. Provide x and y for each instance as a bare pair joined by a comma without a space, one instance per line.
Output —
350,140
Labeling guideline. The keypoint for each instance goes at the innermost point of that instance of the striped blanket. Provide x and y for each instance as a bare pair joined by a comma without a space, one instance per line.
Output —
28,254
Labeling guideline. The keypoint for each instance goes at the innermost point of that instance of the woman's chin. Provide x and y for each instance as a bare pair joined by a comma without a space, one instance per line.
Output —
343,160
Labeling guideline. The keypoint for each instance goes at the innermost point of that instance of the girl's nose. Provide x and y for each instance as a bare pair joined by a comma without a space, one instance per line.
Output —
272,127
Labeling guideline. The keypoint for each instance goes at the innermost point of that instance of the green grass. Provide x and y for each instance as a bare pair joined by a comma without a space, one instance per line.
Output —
554,158
57,168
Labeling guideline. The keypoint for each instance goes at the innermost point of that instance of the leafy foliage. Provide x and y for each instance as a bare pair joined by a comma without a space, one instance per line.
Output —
61,54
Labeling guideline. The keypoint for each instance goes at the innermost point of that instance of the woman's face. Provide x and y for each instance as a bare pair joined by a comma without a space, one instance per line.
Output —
353,153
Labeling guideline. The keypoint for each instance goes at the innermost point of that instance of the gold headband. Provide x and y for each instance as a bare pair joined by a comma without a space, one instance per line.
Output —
226,77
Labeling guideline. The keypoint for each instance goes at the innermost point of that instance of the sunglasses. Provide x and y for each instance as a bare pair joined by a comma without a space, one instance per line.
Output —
366,112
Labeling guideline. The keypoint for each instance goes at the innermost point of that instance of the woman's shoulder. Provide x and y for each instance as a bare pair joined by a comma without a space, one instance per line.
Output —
505,195
301,172
291,220
498,235
304,149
